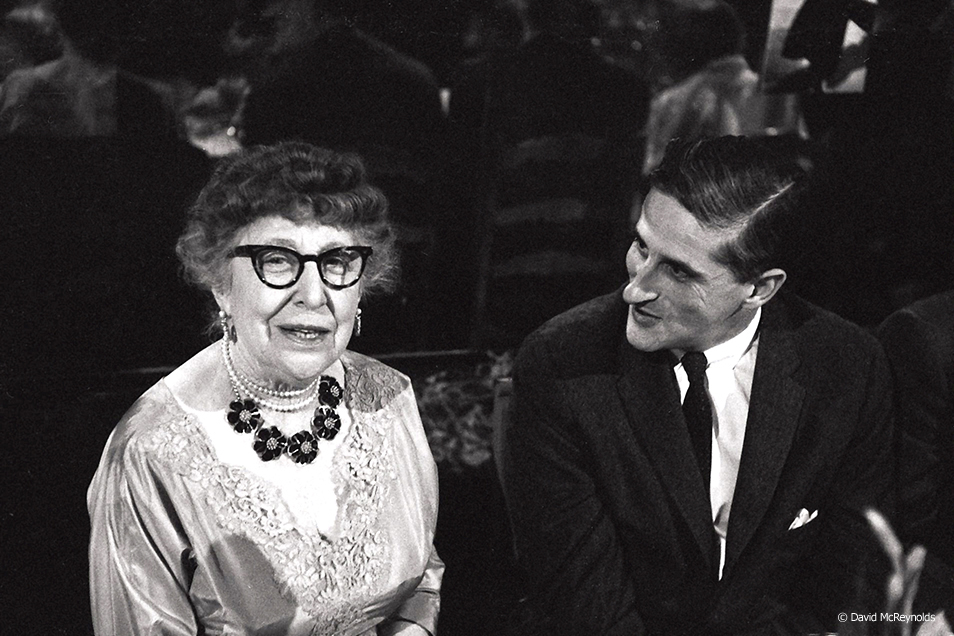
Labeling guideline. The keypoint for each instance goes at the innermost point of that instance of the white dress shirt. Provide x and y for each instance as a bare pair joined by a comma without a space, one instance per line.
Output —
729,373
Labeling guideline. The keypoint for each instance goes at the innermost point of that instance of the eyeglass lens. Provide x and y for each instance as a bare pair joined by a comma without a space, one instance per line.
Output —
281,267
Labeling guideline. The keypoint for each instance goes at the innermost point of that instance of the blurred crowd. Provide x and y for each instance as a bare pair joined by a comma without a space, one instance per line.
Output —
512,138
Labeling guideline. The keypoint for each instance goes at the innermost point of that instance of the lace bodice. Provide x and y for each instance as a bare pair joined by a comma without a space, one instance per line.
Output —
329,581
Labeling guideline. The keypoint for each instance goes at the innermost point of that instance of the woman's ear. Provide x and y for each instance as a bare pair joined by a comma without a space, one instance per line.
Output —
765,287
222,301
221,291
222,298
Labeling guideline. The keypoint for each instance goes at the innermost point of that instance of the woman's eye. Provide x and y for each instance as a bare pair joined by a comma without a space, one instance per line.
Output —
276,261
335,265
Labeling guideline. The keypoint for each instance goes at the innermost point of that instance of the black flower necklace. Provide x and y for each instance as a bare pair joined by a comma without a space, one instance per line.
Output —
245,416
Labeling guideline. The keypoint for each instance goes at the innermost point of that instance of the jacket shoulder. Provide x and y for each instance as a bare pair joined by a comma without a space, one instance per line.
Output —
936,311
582,341
822,334
923,328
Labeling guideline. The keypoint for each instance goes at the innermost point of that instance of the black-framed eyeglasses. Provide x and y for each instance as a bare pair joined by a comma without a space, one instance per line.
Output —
281,267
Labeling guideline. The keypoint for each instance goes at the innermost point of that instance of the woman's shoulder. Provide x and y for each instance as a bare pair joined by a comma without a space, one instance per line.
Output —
372,384
152,411
201,381
155,430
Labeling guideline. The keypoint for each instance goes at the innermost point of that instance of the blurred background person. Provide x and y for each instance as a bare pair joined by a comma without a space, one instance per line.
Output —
317,78
95,184
711,91
96,180
493,31
883,195
557,82
29,36
83,92
560,157
919,341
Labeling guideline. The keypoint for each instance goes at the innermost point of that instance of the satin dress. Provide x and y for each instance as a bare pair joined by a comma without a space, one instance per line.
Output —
187,541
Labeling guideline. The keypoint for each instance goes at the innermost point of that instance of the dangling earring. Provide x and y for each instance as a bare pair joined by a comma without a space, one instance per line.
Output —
357,323
228,329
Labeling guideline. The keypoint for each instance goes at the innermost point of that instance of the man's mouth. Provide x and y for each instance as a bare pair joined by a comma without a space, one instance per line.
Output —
643,317
639,312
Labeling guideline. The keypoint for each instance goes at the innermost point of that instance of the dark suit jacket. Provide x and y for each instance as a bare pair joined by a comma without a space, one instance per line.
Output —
919,341
612,522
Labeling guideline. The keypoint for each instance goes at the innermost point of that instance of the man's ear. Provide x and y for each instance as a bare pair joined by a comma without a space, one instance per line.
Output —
764,287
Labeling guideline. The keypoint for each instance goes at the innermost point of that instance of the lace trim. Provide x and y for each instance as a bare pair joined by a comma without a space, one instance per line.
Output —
373,385
330,579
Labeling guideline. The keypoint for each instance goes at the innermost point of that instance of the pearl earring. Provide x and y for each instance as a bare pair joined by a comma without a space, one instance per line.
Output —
228,329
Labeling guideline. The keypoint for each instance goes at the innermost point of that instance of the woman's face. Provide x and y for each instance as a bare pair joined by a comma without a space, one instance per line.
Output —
288,336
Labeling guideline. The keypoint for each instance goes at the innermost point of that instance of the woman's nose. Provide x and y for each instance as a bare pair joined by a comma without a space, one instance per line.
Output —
310,289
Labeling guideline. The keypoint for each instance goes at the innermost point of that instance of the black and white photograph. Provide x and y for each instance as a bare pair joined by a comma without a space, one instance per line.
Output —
468,317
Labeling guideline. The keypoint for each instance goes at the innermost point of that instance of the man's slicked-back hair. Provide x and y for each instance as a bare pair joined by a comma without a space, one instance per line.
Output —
735,182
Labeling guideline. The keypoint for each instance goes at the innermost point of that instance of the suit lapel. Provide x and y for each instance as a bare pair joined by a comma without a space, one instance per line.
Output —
774,408
650,396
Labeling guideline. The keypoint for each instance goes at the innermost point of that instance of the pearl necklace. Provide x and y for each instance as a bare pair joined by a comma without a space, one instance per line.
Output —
269,442
287,401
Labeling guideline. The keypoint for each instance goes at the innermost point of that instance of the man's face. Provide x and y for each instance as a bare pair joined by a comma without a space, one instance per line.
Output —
680,297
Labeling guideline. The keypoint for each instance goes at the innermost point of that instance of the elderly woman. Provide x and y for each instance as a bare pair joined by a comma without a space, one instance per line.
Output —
275,483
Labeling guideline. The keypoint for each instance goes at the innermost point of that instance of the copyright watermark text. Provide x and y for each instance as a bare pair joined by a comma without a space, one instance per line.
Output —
885,617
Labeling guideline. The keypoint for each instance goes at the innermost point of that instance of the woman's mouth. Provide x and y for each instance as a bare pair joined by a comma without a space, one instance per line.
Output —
304,334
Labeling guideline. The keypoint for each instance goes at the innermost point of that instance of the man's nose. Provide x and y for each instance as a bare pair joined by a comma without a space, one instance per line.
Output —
640,288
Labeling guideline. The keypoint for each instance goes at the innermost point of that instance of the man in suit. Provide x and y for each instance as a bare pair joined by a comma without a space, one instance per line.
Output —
652,493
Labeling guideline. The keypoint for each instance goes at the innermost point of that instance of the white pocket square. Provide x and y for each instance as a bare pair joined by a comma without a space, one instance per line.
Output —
802,518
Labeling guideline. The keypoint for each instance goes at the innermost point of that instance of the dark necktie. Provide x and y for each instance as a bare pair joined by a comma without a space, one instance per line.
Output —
698,411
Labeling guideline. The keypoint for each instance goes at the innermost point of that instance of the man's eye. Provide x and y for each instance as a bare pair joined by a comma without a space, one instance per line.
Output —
677,272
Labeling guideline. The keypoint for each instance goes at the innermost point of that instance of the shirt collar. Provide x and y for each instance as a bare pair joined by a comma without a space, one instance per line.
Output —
734,348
